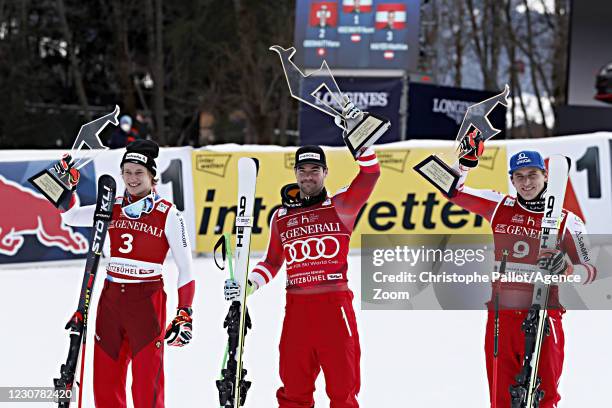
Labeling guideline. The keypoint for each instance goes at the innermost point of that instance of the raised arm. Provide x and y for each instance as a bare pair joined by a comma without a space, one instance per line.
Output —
349,200
77,216
481,202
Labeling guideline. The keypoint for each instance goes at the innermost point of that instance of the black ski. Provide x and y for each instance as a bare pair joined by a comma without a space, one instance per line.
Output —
78,324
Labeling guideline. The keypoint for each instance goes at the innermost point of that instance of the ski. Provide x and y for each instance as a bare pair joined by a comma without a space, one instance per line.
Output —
232,386
78,323
526,393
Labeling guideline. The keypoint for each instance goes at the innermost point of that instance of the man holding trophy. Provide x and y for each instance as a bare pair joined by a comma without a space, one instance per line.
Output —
310,234
131,316
516,223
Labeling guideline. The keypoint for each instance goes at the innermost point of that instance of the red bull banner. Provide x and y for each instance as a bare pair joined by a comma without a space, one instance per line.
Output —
31,228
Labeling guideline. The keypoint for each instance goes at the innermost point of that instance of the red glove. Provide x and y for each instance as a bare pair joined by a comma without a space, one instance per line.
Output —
179,330
472,145
64,165
555,261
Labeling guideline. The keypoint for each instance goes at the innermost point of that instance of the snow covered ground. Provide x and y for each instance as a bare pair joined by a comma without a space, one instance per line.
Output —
413,359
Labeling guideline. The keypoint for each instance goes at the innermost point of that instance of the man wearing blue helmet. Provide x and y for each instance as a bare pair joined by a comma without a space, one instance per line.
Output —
528,175
516,225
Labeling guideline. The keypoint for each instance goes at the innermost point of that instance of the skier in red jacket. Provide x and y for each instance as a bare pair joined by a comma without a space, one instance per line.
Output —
131,312
516,225
310,235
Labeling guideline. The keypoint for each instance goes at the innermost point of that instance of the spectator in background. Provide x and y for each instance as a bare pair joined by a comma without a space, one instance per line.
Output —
144,125
124,134
206,133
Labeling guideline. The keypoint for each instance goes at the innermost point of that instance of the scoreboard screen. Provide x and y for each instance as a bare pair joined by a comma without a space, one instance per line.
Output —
353,34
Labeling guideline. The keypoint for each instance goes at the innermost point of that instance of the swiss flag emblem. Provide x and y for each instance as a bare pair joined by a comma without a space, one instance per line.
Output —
357,6
324,14
391,16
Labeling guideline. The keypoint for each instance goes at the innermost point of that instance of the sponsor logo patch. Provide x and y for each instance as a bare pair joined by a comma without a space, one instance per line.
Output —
307,219
501,228
136,156
161,207
522,159
309,156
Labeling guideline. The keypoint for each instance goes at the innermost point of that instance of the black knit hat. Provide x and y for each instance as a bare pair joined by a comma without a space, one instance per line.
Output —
310,154
142,152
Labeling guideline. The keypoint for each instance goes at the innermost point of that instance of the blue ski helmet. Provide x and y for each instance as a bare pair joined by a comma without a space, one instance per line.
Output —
526,158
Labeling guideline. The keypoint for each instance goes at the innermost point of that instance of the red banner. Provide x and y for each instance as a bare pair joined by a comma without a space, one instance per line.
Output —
391,16
324,14
357,6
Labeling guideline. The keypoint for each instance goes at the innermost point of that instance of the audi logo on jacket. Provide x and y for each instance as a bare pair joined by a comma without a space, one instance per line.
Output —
313,242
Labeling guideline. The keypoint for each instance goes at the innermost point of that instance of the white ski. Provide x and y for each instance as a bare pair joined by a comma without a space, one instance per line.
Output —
232,386
526,393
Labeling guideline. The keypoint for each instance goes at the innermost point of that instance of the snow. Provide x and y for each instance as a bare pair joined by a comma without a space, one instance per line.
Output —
409,358
539,6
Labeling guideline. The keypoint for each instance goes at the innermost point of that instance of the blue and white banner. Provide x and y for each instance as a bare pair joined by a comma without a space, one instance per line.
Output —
377,95
357,34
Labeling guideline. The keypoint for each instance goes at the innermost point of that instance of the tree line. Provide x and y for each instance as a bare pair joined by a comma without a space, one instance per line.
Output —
200,72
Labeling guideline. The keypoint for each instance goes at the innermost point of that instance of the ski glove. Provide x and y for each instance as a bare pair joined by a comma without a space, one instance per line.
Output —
75,322
473,144
231,289
351,116
63,166
556,262
179,330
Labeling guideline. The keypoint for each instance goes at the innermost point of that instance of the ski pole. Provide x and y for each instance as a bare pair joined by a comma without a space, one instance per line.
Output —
502,269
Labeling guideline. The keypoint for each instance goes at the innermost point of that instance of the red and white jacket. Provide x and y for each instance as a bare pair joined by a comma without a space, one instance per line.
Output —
517,230
138,247
313,242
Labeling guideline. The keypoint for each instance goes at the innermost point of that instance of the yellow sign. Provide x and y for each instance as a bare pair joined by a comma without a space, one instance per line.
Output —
402,202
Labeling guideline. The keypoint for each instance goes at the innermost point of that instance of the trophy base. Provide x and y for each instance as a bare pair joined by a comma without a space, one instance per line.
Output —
52,188
439,174
366,133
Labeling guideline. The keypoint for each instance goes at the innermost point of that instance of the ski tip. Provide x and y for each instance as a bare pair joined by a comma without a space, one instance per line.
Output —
256,164
245,160
558,158
107,178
